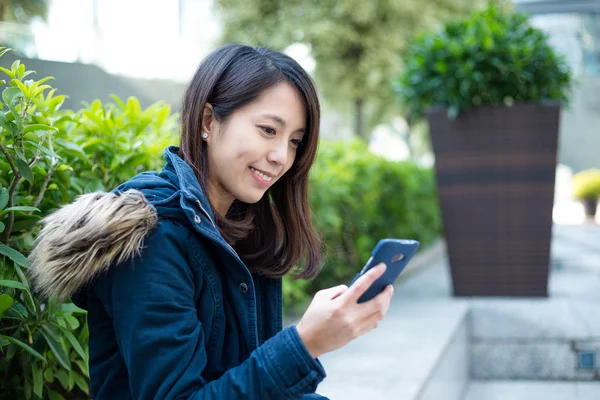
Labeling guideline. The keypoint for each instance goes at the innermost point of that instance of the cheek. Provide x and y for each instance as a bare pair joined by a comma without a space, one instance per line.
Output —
291,159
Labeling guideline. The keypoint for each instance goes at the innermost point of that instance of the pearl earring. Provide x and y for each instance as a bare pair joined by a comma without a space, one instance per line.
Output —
204,135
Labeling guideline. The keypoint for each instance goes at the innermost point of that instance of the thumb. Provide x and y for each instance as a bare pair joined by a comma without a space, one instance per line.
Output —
333,292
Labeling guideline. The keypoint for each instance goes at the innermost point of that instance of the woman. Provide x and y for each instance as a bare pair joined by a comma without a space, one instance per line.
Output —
180,271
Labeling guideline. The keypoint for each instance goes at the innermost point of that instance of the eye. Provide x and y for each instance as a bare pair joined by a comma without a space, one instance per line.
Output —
268,130
296,143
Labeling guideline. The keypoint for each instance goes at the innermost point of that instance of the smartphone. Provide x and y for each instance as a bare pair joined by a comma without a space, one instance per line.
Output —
395,254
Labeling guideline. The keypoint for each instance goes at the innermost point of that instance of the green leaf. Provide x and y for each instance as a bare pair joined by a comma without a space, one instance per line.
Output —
83,367
39,127
13,255
21,71
25,282
74,322
71,381
28,389
119,102
3,196
6,302
2,227
62,377
25,347
44,150
7,72
18,208
24,169
38,380
72,308
26,223
20,310
48,375
73,340
13,284
74,150
9,95
4,122
52,395
22,87
53,341
20,154
81,382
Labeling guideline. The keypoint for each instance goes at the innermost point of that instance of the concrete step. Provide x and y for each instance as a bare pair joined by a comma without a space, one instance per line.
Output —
532,390
546,339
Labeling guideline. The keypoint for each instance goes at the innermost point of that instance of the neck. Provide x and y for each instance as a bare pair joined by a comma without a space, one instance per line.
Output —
219,199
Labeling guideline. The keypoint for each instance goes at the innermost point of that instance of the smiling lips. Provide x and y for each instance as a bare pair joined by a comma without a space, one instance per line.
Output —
262,177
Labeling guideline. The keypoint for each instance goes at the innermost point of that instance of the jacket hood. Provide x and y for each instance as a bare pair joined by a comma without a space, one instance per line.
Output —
84,238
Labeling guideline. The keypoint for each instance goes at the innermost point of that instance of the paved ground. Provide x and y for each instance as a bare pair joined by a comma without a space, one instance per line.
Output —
510,390
389,363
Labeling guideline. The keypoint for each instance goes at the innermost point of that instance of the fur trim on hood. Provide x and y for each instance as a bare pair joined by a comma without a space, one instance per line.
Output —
82,239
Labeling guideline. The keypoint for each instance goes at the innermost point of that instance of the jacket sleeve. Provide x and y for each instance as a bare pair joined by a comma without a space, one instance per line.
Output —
314,396
151,300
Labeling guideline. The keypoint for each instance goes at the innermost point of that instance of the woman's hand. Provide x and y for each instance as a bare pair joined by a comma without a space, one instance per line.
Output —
334,318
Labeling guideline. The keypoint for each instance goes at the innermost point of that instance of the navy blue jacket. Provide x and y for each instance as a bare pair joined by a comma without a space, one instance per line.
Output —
173,312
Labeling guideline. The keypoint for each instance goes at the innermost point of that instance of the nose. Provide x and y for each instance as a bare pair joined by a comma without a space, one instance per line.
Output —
278,153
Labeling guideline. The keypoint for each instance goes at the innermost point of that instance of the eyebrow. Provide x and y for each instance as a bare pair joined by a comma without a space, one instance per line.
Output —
281,121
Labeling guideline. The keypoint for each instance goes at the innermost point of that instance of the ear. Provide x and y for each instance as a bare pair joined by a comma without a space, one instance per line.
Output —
208,121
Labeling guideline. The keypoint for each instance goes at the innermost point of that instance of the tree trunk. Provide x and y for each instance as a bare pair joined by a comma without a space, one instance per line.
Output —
358,123
2,9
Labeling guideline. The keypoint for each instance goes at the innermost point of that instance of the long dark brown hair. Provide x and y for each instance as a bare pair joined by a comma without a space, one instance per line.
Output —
276,234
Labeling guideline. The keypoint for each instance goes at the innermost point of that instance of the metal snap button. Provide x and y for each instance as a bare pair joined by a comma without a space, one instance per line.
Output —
243,287
197,219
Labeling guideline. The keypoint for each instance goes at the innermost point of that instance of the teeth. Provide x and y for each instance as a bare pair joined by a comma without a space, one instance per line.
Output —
265,177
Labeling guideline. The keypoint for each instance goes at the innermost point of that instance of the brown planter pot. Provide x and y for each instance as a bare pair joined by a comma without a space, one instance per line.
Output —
590,206
495,169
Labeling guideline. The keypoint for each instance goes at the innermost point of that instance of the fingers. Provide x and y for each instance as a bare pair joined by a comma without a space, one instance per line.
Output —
333,292
375,309
363,283
378,304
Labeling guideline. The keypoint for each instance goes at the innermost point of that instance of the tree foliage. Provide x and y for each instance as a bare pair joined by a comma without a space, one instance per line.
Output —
357,45
23,11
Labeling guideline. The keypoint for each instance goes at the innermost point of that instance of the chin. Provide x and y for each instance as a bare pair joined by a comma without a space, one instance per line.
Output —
250,198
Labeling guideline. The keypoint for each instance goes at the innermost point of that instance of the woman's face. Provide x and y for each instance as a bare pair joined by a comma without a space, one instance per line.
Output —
255,147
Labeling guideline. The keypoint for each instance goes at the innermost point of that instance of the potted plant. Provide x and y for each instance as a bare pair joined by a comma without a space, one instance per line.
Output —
586,188
491,87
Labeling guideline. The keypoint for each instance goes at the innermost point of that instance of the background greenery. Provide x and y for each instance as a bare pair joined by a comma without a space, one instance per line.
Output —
586,184
359,198
50,155
358,45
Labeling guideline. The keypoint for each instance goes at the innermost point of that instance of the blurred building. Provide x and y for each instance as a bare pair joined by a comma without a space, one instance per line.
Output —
573,27
94,48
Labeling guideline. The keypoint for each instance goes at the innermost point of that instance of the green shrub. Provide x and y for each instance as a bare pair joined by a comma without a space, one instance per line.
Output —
359,198
111,143
49,156
43,349
586,184
493,57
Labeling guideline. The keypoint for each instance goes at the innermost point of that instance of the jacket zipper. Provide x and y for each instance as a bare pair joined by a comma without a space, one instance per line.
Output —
237,256
213,224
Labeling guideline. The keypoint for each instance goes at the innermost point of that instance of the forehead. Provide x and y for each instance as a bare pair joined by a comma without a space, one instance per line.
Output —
282,100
